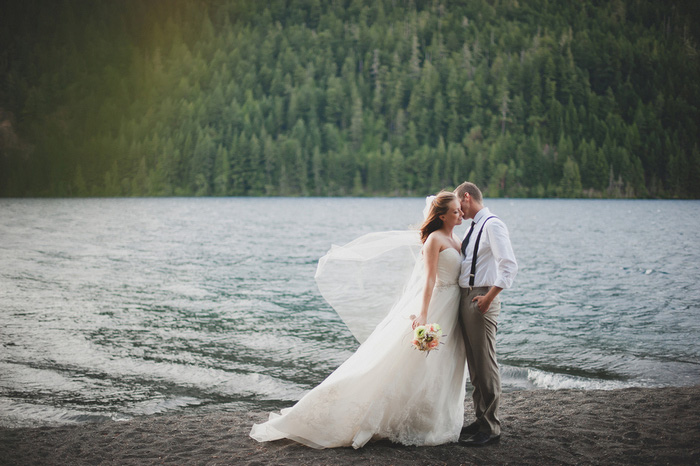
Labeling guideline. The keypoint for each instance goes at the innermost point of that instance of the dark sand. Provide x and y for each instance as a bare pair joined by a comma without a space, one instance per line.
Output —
630,426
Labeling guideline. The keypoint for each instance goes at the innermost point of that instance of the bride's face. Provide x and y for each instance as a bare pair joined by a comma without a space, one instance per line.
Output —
454,214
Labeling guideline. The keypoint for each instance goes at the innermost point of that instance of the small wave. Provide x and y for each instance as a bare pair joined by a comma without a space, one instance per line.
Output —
17,414
523,378
515,378
84,418
552,381
158,406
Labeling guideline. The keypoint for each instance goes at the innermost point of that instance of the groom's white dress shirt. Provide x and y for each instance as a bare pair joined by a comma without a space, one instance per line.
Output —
495,261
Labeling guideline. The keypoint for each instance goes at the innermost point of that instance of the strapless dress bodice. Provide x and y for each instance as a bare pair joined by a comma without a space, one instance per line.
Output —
449,266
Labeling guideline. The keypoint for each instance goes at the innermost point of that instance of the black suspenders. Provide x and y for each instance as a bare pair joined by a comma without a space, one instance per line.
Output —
476,251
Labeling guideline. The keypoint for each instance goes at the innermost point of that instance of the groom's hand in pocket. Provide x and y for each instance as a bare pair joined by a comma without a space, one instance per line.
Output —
483,302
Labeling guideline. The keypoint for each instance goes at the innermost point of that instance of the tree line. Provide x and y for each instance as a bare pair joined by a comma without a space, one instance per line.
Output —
540,98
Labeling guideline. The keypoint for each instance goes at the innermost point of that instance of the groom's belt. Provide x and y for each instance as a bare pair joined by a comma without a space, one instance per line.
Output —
476,288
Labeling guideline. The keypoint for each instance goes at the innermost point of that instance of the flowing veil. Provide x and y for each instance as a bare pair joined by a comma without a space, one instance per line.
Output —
373,278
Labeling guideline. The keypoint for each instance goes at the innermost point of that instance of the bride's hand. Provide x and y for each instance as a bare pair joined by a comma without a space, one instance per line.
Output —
418,321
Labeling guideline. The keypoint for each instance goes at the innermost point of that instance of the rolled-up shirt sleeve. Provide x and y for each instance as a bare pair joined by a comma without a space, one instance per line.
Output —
506,265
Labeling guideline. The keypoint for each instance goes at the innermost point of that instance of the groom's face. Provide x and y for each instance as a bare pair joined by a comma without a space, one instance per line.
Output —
465,204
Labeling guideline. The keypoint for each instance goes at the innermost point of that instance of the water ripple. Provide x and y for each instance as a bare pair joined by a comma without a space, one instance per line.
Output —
112,308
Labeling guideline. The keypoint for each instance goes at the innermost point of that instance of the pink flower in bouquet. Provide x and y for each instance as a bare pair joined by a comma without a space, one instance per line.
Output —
427,337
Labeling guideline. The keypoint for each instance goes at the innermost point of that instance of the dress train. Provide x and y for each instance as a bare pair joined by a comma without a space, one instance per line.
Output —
387,389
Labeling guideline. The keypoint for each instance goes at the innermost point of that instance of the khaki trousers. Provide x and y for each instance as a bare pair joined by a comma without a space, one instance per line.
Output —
479,332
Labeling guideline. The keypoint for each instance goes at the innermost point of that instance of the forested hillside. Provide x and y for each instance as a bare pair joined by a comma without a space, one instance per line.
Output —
536,98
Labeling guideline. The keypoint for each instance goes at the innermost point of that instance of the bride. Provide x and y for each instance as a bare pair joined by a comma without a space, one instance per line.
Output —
387,389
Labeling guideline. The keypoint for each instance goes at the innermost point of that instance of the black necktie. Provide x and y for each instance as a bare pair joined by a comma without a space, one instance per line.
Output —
466,238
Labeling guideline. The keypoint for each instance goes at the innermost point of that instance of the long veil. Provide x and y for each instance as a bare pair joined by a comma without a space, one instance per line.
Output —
373,278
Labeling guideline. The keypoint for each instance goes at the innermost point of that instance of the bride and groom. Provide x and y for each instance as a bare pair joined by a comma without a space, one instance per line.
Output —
387,389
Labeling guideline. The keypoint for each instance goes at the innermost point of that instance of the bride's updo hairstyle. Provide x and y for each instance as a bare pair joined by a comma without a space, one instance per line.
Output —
440,206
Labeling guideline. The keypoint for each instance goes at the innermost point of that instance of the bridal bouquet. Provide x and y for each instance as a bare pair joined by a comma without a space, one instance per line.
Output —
427,337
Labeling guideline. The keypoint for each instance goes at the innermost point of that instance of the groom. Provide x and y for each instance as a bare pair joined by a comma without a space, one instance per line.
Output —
488,266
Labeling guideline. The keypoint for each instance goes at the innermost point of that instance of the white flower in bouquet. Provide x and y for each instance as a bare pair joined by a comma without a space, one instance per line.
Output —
427,337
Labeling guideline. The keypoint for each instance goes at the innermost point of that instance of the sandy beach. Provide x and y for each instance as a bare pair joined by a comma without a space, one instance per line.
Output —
629,426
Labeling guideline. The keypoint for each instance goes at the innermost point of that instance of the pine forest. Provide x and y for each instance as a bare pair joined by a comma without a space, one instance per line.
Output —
526,98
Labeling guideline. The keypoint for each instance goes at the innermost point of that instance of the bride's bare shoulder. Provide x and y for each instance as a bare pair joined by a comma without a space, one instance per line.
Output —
437,240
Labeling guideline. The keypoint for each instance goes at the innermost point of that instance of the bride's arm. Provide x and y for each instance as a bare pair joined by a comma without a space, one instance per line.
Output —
431,251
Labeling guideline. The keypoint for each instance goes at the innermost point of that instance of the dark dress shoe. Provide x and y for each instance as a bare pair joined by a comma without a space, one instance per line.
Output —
471,429
480,439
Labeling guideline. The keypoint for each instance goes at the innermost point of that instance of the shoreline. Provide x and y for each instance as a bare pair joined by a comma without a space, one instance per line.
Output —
623,426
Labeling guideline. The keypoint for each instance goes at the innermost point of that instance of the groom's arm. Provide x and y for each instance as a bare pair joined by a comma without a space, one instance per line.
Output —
507,267
506,264
484,301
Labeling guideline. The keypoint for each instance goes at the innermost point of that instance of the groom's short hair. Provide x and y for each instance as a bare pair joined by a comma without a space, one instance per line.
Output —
470,188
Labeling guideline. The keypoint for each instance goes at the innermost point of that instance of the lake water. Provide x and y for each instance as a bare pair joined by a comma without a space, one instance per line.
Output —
115,308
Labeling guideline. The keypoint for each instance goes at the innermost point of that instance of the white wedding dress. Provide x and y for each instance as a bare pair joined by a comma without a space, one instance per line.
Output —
387,389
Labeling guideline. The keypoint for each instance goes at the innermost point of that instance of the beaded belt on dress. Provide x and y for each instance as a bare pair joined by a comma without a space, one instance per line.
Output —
445,284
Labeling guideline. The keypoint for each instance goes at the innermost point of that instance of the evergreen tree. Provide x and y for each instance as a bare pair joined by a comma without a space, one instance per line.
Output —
201,97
